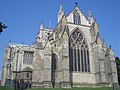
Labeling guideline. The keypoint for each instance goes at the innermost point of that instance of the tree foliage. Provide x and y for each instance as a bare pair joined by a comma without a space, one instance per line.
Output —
117,60
2,26
118,68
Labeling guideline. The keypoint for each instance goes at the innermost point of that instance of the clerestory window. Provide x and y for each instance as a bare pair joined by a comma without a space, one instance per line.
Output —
28,57
78,52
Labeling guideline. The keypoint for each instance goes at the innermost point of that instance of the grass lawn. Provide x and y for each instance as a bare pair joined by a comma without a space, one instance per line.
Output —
5,88
102,88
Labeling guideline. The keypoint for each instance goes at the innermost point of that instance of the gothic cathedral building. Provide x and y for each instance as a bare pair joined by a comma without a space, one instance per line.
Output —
71,55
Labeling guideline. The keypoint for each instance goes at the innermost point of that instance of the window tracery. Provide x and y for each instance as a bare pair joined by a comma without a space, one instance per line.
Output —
79,52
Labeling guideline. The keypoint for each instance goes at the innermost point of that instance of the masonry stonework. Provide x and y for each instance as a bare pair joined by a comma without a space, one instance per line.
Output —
71,55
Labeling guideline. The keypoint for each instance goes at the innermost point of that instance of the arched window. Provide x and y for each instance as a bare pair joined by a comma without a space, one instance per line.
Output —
79,52
54,67
76,17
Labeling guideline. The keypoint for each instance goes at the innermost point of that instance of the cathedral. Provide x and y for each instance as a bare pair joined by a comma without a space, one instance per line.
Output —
71,55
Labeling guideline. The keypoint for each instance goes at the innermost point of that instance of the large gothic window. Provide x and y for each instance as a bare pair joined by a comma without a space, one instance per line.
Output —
76,17
79,52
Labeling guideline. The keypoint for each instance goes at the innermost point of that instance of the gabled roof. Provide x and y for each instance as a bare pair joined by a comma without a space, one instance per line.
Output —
84,20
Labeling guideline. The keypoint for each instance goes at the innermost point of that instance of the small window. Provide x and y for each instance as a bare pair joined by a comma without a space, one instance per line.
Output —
27,75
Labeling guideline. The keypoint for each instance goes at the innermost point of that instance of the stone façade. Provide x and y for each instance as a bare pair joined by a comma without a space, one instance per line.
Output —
51,66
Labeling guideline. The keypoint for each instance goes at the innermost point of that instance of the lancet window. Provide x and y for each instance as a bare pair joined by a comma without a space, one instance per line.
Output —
76,17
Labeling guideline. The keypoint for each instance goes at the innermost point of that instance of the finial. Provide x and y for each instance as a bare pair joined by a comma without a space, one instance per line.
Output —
61,8
42,22
41,26
60,13
104,44
110,46
90,17
76,4
50,23
9,40
89,14
22,42
103,40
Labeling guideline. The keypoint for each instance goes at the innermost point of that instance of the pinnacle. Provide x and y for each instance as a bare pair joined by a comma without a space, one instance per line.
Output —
41,26
61,8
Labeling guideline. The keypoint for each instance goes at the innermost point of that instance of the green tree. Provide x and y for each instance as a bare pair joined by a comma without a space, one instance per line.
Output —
2,26
118,68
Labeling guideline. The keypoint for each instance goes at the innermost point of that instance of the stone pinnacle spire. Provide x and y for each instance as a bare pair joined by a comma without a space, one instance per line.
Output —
60,13
41,26
61,8
104,44
90,17
40,33
89,14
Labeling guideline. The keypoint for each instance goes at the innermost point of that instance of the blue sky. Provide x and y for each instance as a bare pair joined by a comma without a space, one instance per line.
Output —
23,18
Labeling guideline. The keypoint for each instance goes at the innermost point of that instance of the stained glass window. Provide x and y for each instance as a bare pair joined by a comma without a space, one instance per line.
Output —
79,52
